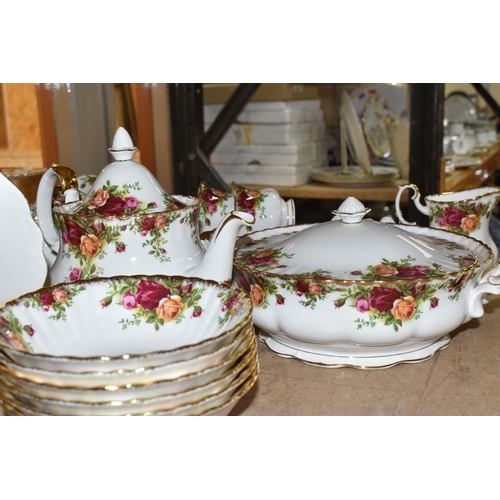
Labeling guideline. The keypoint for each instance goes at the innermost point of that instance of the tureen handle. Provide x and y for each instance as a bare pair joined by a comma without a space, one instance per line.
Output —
489,283
415,197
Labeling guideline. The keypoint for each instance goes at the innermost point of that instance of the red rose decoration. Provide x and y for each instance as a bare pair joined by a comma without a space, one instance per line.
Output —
47,299
413,272
245,202
75,232
148,223
149,294
382,299
454,216
114,206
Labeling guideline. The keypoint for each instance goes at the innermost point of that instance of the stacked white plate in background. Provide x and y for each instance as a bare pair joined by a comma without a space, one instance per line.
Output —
272,143
136,345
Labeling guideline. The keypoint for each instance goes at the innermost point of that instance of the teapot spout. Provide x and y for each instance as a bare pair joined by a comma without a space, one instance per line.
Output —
217,263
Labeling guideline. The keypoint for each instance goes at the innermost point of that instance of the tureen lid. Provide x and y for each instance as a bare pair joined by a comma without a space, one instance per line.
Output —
126,187
352,248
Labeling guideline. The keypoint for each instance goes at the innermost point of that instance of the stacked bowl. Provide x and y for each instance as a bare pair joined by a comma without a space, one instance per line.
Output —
127,345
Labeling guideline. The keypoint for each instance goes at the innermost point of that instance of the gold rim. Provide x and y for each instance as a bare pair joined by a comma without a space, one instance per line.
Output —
464,200
12,400
246,363
242,323
12,381
10,372
362,367
466,271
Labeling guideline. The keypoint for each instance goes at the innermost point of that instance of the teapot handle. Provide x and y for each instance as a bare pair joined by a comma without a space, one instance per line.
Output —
69,184
415,197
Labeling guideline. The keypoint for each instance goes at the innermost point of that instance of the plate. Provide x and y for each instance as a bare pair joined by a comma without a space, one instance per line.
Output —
368,360
355,138
22,265
396,96
355,177
378,121
456,162
459,108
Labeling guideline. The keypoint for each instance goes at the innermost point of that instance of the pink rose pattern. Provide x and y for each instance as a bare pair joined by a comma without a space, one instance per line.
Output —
250,201
461,218
87,240
212,201
155,300
393,304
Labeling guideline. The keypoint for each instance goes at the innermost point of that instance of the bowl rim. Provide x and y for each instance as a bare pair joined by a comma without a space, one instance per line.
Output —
109,359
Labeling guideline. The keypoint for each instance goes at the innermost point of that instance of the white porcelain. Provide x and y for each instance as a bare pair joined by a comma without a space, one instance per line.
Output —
176,389
459,108
396,95
237,389
126,323
204,369
456,128
22,263
355,287
378,122
463,143
266,205
128,224
464,212
134,406
355,138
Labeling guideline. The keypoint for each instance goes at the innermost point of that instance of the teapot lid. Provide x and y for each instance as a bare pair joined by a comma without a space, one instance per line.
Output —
126,187
350,248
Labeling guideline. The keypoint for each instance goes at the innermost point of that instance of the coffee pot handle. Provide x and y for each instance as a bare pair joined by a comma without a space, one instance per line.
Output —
415,197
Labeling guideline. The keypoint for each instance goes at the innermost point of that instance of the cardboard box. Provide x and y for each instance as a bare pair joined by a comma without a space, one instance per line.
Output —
214,93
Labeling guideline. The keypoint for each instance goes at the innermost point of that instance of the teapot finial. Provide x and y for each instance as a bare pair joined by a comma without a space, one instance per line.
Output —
123,147
351,211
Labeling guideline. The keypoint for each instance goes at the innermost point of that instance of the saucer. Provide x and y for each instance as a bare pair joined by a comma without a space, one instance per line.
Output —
365,359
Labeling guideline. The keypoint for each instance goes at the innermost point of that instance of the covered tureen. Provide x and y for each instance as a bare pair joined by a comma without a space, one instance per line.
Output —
358,292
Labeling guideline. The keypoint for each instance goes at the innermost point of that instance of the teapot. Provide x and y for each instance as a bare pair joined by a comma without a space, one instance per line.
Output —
128,224
464,212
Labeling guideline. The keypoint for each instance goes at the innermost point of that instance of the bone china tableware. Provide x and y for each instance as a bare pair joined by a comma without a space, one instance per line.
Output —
463,212
128,224
127,323
22,264
362,293
266,205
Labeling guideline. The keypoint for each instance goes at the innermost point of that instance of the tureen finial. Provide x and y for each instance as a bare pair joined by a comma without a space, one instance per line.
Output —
123,147
351,211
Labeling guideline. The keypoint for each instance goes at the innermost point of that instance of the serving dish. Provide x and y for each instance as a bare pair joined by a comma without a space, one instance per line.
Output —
127,323
355,288
22,265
